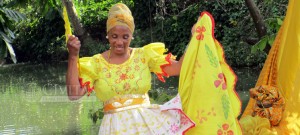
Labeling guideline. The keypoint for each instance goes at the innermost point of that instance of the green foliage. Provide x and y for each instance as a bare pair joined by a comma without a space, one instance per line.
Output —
144,12
8,17
163,21
93,13
42,39
170,23
261,44
40,6
232,1
175,31
140,38
237,52
159,96
96,115
273,25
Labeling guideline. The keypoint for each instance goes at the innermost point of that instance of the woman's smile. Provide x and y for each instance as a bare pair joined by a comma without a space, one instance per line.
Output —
119,38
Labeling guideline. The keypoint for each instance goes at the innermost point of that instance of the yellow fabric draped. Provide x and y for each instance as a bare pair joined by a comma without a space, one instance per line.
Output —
207,84
282,68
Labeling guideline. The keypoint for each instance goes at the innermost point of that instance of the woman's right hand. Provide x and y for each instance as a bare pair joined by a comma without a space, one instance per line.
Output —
73,45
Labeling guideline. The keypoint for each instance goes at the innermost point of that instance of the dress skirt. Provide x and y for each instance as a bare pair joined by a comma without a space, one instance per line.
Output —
145,119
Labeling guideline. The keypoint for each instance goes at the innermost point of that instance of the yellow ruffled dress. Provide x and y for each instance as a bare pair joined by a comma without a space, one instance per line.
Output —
123,88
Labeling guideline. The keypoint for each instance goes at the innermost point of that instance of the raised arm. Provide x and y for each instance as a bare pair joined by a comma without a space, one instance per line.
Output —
73,86
174,68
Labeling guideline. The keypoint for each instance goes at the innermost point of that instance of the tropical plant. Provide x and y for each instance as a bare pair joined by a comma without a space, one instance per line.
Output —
267,40
7,19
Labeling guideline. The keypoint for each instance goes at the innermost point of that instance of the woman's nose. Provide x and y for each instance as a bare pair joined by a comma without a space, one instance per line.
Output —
119,41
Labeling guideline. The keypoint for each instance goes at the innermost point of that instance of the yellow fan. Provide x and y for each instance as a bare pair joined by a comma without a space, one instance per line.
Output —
67,23
68,30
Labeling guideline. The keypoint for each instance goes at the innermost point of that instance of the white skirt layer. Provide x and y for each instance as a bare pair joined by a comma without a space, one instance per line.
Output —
166,119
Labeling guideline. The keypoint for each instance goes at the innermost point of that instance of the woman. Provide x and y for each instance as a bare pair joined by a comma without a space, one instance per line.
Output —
121,78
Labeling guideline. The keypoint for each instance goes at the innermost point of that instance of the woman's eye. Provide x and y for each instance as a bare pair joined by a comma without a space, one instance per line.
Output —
126,37
114,36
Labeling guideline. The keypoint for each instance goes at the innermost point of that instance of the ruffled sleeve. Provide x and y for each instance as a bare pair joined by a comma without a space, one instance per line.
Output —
87,73
156,58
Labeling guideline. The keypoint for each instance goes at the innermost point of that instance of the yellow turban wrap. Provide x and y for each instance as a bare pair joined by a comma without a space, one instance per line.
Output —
120,14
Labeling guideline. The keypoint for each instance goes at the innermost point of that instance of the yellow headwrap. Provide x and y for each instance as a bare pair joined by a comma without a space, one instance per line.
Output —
120,14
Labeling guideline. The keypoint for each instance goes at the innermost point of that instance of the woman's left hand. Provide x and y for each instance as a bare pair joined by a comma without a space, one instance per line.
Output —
193,29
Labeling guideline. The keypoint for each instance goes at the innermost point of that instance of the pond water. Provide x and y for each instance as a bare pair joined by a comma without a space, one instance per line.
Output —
33,100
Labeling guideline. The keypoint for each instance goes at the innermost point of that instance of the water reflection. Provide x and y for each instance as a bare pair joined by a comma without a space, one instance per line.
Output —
34,101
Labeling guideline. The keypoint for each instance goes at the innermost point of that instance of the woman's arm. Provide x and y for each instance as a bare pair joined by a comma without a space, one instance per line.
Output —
73,86
174,68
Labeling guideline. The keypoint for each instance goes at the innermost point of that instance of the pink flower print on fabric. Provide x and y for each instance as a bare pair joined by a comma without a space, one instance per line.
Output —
184,120
174,128
221,81
200,30
225,130
176,100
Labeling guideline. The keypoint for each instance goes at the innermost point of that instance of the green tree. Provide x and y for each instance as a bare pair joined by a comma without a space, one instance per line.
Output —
8,17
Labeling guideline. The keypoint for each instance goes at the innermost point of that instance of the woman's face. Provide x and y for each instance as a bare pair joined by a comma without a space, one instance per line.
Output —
119,38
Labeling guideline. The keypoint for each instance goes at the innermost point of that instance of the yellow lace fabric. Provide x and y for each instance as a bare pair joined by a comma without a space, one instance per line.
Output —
131,77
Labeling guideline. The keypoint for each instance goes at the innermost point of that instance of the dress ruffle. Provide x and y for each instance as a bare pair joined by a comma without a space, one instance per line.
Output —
166,119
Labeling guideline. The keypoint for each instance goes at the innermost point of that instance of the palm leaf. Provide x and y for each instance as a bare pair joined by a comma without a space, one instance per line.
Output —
5,37
11,52
233,1
1,18
8,41
14,15
10,33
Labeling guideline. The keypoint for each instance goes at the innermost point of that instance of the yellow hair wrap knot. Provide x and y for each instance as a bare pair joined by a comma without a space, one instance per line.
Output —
120,14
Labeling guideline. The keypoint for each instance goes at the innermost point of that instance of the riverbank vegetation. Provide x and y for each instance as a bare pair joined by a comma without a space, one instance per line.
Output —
34,30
